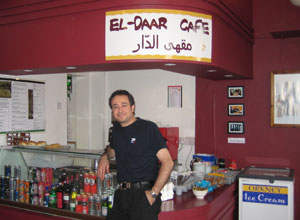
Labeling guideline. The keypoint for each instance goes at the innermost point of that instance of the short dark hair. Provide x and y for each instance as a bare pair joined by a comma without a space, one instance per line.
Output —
121,92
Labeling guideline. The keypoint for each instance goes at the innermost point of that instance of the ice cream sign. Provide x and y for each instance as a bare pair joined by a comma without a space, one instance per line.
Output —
277,195
158,34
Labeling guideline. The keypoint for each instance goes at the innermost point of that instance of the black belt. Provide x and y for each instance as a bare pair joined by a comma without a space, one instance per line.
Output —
136,185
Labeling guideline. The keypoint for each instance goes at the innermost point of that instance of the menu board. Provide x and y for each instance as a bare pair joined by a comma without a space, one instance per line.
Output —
22,105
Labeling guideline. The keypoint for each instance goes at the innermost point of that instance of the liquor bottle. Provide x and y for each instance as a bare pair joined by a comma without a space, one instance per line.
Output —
46,197
81,182
76,184
52,197
59,196
63,176
73,195
66,194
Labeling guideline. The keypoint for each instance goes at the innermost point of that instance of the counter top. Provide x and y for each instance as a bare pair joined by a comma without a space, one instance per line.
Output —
219,204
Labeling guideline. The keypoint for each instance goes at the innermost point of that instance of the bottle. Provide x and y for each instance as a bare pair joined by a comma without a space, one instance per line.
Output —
86,183
52,197
85,208
63,176
81,182
66,194
98,205
46,197
110,199
59,196
104,205
73,195
41,189
78,204
93,184
76,184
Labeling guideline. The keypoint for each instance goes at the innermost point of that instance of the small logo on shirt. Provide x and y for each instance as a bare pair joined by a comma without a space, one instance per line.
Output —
133,140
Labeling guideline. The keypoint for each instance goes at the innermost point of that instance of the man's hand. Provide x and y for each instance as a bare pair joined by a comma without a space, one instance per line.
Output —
103,167
149,197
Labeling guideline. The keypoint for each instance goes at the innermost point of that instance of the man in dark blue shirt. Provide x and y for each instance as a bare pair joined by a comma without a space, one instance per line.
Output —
138,147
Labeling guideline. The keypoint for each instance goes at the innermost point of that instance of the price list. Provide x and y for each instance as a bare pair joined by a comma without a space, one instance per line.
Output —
22,106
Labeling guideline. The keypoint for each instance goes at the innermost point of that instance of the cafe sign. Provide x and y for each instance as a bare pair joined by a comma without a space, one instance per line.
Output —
158,34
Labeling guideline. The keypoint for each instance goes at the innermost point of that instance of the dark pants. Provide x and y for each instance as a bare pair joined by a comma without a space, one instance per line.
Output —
132,204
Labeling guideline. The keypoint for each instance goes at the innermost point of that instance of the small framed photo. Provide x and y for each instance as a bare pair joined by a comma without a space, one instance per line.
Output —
235,92
236,109
235,127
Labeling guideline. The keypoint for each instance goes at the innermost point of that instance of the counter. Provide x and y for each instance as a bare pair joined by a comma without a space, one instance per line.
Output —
219,204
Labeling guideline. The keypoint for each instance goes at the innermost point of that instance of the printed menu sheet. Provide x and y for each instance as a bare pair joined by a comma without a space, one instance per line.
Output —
22,105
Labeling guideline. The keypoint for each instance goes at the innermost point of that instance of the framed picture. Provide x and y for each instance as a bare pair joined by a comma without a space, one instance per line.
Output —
235,127
236,109
174,96
285,99
235,92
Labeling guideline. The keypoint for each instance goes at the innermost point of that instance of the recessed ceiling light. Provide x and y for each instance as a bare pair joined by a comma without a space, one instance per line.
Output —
170,64
211,71
228,76
28,71
71,67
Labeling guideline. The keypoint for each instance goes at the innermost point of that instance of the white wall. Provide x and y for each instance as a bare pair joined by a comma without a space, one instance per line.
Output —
86,111
150,90
90,116
56,119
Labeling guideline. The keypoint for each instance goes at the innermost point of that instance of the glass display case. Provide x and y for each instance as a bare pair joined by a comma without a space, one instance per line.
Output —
13,155
15,158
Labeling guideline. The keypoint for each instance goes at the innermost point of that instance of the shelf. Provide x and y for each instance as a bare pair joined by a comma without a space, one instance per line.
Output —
65,150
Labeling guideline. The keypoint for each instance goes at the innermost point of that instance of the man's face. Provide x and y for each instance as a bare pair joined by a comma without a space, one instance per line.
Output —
122,111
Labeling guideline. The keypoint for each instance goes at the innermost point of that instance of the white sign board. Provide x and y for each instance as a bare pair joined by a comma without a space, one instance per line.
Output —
22,105
158,34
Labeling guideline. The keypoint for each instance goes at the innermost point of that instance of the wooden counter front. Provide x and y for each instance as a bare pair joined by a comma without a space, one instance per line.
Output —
219,204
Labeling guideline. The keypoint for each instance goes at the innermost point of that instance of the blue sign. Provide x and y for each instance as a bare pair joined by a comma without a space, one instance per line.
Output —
276,195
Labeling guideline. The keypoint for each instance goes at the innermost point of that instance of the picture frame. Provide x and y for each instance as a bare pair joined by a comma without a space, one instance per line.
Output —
285,99
174,96
235,92
236,109
235,127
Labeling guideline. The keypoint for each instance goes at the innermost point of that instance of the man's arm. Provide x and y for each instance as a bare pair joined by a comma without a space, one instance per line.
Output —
103,166
164,173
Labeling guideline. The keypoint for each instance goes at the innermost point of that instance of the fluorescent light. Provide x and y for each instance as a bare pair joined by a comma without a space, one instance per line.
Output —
170,64
71,67
228,76
211,71
28,71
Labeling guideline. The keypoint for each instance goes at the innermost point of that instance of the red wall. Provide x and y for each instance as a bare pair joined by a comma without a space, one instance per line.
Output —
265,146
48,35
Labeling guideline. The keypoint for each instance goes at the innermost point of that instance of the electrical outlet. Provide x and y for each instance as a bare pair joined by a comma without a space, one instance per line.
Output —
187,140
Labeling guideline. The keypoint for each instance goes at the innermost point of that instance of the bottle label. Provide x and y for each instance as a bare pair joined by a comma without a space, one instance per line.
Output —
59,200
72,206
104,211
52,201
